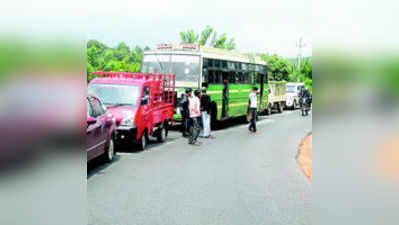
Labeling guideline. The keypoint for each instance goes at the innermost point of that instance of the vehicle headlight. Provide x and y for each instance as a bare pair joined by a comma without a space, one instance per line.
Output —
127,122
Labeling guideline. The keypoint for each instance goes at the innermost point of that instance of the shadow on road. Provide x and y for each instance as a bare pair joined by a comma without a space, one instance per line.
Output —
96,166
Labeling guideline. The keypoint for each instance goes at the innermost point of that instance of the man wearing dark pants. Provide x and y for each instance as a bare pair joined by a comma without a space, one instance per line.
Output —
185,112
195,116
253,104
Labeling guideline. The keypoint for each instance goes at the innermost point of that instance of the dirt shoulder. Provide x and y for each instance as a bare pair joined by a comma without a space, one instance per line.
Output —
304,157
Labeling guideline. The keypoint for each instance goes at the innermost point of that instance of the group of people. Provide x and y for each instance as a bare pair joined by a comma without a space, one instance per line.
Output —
196,115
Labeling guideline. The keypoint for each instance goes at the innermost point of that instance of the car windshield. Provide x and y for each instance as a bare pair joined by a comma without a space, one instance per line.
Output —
290,89
115,94
185,67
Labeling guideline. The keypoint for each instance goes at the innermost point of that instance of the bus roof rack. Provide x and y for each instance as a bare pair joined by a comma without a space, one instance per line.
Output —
131,75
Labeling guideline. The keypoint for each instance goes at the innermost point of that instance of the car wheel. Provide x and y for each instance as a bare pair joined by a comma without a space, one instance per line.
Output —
109,154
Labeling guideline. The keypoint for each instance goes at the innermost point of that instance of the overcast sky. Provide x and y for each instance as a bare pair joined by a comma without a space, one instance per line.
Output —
257,26
260,26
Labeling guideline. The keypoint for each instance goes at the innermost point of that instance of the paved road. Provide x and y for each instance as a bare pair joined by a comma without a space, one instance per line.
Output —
237,178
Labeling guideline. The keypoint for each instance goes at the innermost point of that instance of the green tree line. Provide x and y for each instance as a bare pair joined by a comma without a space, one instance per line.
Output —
118,59
123,58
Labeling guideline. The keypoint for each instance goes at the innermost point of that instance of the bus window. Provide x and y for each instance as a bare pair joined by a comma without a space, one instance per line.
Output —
206,63
216,63
236,66
264,70
244,66
224,64
230,65
251,67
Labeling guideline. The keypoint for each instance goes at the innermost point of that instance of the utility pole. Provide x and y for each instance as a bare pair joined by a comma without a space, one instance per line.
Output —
300,44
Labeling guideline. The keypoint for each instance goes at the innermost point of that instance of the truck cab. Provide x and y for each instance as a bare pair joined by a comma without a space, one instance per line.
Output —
292,93
142,104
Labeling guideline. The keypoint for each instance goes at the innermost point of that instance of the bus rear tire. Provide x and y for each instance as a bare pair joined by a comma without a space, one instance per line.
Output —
214,122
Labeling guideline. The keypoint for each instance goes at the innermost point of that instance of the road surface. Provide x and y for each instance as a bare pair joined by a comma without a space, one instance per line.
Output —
237,178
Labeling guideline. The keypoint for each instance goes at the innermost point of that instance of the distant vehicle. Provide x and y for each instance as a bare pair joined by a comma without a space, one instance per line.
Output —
276,98
100,131
204,67
141,103
292,93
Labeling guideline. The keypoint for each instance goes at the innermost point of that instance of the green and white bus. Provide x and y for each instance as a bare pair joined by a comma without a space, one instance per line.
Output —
200,67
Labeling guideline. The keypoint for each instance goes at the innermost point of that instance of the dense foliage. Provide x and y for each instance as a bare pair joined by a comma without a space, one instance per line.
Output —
120,58
283,69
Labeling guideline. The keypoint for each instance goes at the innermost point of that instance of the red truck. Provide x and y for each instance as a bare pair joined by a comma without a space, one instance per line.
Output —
142,104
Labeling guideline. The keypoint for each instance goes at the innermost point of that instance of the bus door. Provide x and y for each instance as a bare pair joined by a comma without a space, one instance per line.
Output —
261,78
225,100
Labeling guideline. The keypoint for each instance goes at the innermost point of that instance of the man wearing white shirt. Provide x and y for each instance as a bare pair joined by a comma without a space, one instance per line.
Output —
253,105
195,116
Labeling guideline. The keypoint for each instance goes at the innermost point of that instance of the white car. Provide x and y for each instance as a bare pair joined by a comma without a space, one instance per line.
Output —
292,94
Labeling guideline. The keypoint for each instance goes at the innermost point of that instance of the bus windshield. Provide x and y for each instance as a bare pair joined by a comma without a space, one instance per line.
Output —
185,67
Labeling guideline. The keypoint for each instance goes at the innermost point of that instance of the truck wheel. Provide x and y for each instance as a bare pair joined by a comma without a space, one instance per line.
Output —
163,133
294,105
280,107
142,142
269,110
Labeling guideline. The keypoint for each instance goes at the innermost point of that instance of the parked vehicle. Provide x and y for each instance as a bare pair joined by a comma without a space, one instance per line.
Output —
100,130
293,95
201,67
141,103
276,97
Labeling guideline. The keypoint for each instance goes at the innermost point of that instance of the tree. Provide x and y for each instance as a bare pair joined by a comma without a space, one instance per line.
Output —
231,45
203,39
205,35
279,68
120,58
189,37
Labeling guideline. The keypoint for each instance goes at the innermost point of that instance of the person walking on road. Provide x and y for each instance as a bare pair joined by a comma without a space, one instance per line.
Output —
253,105
195,116
205,112
185,112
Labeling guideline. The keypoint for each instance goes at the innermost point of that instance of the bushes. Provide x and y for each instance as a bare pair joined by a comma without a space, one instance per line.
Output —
118,59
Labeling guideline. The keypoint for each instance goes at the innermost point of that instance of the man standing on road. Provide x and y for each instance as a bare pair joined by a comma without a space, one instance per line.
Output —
195,116
253,104
185,112
205,111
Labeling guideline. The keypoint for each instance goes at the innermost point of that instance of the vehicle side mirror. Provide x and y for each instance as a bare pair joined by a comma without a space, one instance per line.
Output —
91,120
144,100
205,84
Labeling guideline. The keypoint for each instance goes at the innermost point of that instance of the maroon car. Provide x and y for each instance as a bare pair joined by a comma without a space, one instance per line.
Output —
100,130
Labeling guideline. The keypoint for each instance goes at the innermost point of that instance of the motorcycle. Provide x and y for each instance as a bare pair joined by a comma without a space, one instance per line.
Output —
305,105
